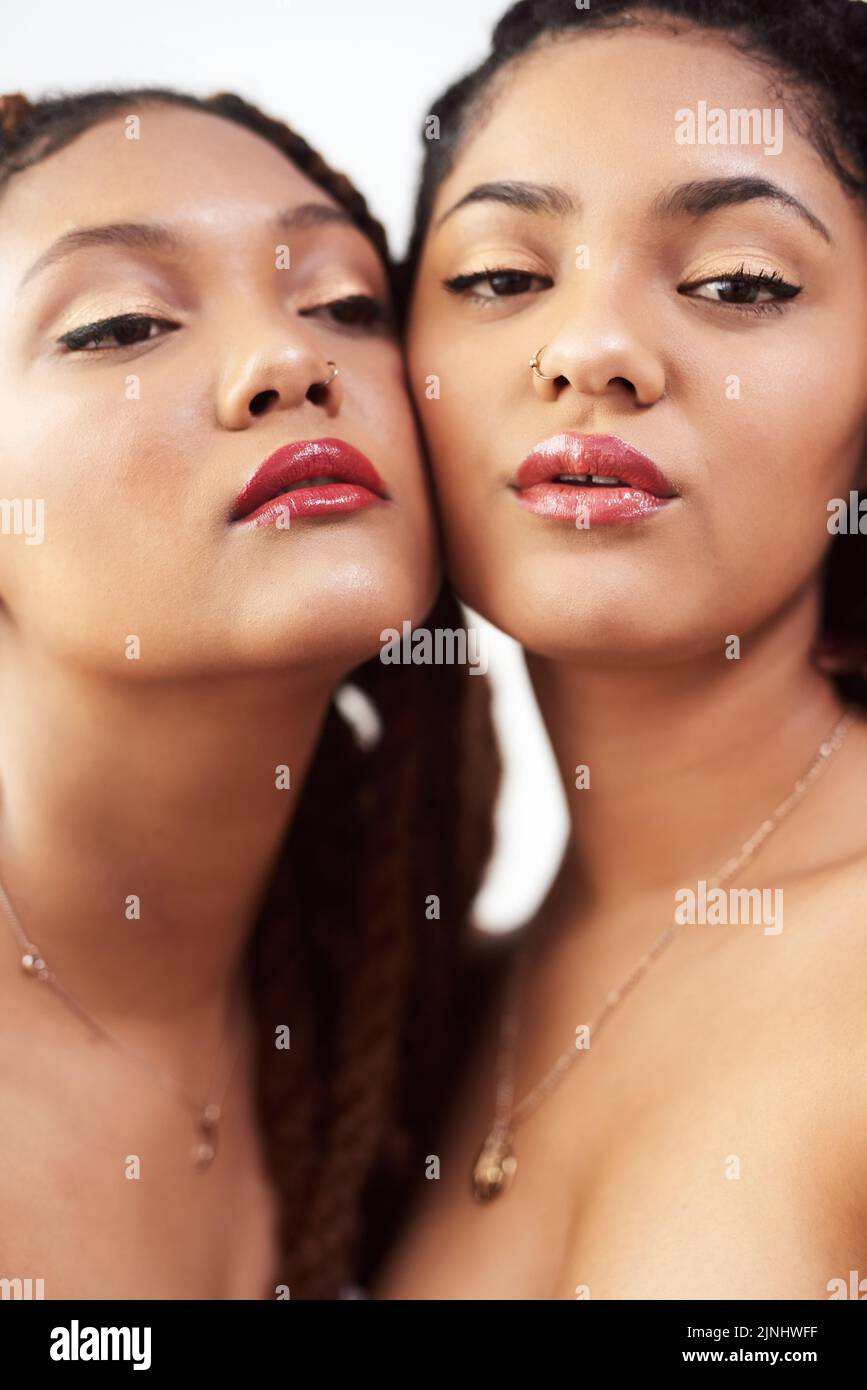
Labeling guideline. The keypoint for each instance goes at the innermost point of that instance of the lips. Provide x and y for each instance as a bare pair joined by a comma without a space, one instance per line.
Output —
310,477
591,480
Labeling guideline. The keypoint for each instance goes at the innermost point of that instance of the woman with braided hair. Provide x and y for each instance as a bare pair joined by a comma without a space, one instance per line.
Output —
639,269
213,504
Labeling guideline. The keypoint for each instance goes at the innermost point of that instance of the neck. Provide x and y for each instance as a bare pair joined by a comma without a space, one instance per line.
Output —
165,793
685,759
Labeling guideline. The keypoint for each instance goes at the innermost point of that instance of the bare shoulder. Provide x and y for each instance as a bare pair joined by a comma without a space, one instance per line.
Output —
746,1172
817,1054
839,1027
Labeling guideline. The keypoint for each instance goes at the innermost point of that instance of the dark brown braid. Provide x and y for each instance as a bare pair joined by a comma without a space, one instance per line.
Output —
346,957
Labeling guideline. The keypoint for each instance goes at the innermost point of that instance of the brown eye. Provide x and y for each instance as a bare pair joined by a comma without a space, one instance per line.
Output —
762,291
504,283
355,311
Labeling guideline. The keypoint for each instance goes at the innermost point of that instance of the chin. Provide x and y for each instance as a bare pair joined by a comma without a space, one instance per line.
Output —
555,614
340,626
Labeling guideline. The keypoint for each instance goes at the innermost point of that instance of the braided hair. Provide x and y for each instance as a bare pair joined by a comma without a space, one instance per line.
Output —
373,991
820,48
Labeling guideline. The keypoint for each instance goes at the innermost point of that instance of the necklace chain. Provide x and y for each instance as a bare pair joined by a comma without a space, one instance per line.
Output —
207,1112
496,1164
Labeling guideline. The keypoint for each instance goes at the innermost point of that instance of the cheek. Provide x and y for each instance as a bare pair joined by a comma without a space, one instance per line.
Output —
465,430
81,448
378,408
386,417
100,471
779,454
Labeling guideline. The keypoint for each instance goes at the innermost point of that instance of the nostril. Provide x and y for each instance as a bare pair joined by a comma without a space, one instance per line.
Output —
261,401
317,393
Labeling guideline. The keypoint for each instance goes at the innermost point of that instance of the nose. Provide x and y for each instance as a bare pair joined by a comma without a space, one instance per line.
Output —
602,349
279,369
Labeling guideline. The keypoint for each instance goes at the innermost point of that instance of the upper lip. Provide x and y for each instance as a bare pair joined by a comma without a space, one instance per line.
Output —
604,455
306,458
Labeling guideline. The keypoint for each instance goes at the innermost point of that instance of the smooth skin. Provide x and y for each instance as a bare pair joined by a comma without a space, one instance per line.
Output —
157,776
711,1142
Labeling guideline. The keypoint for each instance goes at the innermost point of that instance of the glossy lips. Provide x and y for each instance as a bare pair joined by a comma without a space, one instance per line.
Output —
640,490
311,477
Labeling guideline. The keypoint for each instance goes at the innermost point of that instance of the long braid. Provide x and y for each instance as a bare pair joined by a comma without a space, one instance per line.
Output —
373,986
448,988
296,963
280,972
400,980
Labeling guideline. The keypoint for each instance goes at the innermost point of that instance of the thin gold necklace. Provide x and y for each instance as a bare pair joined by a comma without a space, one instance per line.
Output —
207,1113
496,1164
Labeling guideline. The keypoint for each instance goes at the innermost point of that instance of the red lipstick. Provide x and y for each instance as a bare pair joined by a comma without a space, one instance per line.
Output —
309,478
591,480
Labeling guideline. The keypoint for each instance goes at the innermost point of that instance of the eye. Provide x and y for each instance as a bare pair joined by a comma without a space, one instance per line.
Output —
355,311
125,329
504,282
739,289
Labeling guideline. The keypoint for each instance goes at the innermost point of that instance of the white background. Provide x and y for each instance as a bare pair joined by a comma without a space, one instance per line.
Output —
356,79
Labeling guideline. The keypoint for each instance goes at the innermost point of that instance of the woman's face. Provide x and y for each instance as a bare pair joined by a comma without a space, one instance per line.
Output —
138,447
626,269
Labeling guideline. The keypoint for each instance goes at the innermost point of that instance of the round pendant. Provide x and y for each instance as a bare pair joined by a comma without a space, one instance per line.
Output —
32,962
494,1168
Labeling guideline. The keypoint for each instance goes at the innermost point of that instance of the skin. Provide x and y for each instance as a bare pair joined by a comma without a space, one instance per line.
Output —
157,776
738,1043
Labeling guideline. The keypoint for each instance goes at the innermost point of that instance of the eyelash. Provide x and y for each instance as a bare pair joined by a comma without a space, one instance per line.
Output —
376,314
781,290
79,339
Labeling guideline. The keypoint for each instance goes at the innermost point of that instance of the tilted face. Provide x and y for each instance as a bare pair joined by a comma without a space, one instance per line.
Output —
717,329
138,439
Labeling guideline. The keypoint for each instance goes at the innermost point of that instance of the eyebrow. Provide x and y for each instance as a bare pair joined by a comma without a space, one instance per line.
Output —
529,197
159,236
696,199
703,196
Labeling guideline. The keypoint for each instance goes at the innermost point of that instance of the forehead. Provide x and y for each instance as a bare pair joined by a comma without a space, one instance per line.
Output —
185,165
598,114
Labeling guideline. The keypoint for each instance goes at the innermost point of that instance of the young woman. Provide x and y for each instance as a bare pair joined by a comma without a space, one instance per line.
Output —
640,280
213,504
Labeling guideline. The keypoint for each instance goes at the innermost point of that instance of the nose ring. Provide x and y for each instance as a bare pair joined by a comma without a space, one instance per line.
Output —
334,396
335,370
543,384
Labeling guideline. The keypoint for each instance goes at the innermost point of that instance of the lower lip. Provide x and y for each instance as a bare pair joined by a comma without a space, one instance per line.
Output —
590,506
322,500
